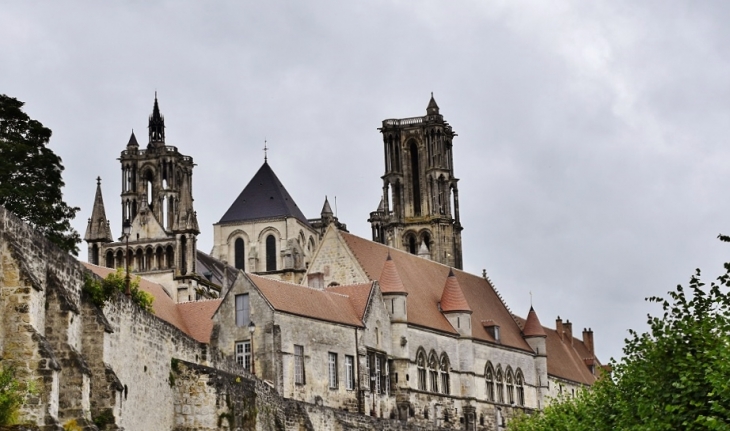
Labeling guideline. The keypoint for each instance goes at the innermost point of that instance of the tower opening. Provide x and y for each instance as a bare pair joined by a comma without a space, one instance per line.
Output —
183,255
148,184
415,179
412,244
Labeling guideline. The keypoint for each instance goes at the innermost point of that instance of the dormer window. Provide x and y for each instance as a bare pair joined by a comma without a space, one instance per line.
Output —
492,329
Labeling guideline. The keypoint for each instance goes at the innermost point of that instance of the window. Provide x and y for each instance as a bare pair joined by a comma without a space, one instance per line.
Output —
239,255
433,372
332,367
489,378
242,310
519,383
510,387
243,354
349,372
299,365
500,387
270,253
445,380
378,370
421,364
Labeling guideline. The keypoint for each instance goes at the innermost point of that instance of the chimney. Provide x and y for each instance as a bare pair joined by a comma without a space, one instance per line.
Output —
588,340
315,280
559,327
569,331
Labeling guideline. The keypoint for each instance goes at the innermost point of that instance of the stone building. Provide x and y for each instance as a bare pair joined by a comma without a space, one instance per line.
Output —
390,328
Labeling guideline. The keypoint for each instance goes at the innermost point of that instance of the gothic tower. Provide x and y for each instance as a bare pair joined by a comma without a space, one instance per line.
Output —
419,211
157,206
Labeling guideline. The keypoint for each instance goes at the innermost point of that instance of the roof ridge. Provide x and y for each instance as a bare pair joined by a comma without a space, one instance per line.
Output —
348,284
200,300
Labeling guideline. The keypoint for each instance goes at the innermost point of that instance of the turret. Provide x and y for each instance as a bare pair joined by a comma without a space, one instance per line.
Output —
535,335
98,231
394,293
454,306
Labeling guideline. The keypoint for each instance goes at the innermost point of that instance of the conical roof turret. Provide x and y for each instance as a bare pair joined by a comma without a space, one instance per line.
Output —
326,209
390,281
452,299
132,141
533,327
98,229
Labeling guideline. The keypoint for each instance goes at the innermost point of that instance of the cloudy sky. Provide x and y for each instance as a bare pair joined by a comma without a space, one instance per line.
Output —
592,135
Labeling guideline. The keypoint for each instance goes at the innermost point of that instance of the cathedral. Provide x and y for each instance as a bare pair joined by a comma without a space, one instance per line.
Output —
390,326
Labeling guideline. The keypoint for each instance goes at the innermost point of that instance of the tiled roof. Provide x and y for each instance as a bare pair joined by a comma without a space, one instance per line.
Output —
193,318
390,281
424,280
306,301
358,294
453,298
208,264
532,327
263,197
566,361
198,317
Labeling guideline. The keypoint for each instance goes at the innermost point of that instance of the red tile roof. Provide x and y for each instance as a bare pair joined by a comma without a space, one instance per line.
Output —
358,294
453,297
198,317
424,280
532,327
305,301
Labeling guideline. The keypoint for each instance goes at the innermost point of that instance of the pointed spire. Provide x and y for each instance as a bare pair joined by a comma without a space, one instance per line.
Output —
98,229
326,209
432,108
423,251
381,205
390,281
533,327
156,124
132,141
452,299
186,218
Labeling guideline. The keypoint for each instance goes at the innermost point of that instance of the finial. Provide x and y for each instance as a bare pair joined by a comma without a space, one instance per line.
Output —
531,299
432,94
98,181
266,152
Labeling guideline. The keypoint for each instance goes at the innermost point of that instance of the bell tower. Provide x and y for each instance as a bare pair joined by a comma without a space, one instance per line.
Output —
419,211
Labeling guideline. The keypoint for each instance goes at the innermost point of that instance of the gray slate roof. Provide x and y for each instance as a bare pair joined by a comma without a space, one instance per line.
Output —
263,197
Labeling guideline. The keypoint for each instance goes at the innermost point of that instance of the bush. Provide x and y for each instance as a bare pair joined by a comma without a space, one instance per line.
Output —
11,396
101,291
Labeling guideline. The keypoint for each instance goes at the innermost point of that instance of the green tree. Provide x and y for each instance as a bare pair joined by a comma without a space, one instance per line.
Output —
102,290
30,176
11,396
675,376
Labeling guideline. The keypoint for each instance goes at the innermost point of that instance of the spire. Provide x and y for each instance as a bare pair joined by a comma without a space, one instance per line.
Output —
432,108
390,281
423,251
326,209
186,218
381,205
266,152
132,141
533,328
98,229
452,299
156,124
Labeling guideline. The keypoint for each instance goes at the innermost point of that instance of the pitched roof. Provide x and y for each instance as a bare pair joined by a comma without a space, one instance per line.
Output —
218,272
192,318
358,294
532,326
452,299
390,281
308,302
424,280
263,197
98,227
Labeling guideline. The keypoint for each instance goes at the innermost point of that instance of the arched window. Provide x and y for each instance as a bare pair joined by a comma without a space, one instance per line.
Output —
510,387
139,259
421,365
183,255
412,244
148,259
120,259
169,257
489,379
500,386
239,258
519,384
433,372
270,253
110,259
445,379
416,179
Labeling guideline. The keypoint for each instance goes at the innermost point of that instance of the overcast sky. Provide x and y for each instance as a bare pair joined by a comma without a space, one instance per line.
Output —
592,136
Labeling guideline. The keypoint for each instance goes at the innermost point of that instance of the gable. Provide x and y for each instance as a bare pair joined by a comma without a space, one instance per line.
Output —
336,261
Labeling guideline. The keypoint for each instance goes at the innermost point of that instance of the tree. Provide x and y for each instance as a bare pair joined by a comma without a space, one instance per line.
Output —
675,376
30,176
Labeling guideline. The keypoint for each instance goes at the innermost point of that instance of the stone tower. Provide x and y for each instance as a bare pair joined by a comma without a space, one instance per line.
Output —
157,203
98,232
420,204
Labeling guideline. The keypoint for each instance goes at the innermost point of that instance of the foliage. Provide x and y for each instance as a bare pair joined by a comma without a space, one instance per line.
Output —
30,176
106,417
675,376
100,291
11,396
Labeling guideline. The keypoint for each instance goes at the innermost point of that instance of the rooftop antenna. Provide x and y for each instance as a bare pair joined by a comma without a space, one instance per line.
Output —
266,149
335,205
